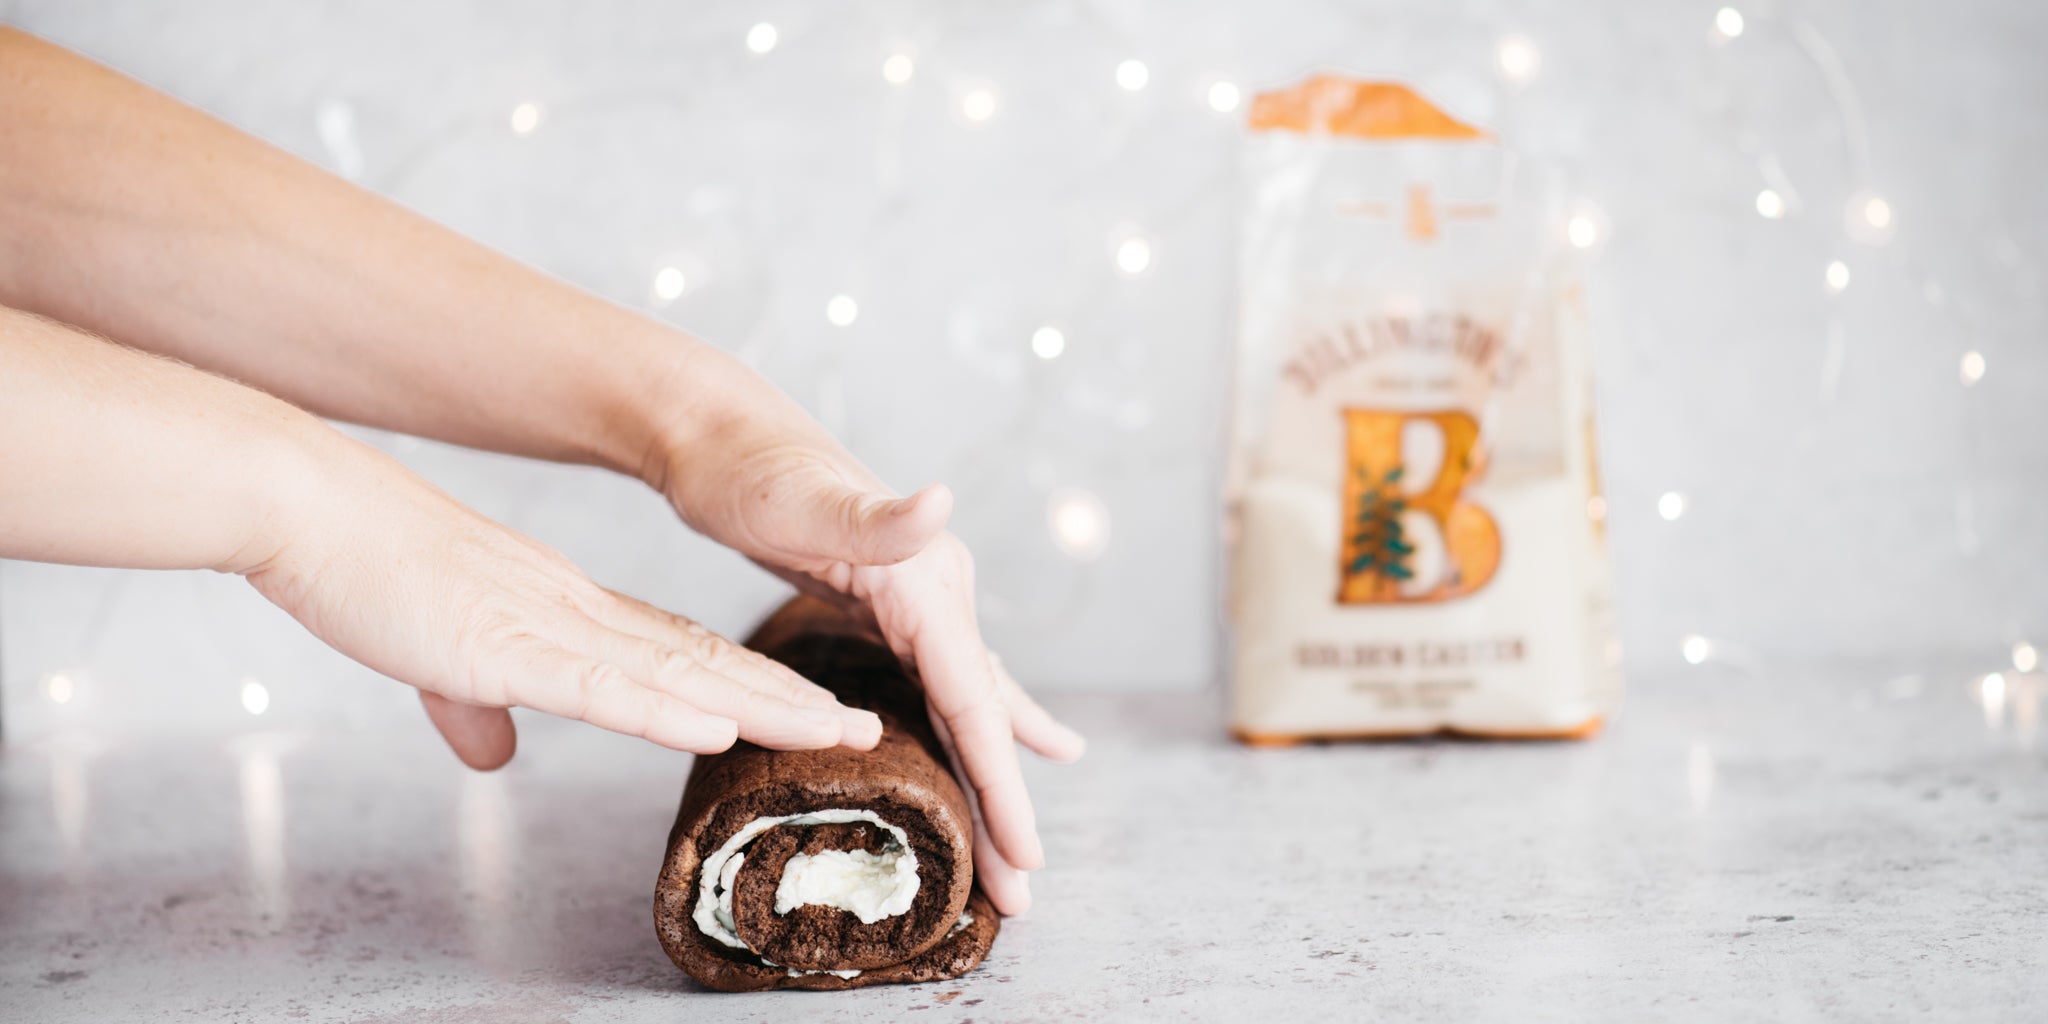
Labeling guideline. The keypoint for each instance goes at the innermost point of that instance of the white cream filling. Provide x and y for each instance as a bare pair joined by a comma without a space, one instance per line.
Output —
871,886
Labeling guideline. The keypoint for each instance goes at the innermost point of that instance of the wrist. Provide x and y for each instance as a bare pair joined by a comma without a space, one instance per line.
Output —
690,394
298,472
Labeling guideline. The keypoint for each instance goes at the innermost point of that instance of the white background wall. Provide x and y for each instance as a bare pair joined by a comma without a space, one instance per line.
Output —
1847,496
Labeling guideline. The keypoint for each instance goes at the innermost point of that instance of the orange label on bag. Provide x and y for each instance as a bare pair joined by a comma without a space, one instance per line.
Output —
1406,541
1334,105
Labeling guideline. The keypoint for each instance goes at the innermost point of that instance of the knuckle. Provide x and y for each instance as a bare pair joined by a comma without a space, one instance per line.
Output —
839,576
584,596
809,694
980,714
483,628
757,703
484,659
951,561
677,668
659,710
709,650
594,680
851,508
955,550
998,715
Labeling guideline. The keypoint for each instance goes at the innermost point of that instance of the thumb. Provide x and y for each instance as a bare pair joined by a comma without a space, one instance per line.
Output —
481,736
843,524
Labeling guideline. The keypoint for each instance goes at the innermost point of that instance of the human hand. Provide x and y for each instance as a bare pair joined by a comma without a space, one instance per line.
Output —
771,484
404,579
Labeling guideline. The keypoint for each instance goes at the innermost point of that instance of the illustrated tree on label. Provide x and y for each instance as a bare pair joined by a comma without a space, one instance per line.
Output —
1377,539
1408,540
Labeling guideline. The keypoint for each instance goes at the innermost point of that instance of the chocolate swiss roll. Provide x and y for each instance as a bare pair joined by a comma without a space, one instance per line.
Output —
833,868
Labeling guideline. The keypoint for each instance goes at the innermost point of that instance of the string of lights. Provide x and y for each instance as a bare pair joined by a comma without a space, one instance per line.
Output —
1076,521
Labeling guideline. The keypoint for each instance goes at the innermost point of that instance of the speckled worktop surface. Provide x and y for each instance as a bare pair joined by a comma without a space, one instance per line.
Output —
1740,845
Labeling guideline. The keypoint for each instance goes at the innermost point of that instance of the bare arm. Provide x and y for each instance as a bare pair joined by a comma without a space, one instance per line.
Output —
138,217
129,213
109,457
112,457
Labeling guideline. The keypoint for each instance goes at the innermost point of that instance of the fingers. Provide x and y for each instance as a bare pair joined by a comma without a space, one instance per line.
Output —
686,641
1008,888
988,756
960,683
645,620
727,681
481,736
824,590
1036,728
541,676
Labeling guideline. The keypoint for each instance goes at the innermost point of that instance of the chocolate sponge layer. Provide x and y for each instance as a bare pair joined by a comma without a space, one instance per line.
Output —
903,780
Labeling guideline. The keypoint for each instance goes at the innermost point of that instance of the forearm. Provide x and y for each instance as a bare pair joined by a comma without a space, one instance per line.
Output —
127,212
113,457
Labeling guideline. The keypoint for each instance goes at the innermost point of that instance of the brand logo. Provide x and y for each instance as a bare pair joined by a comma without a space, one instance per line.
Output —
1335,350
1407,540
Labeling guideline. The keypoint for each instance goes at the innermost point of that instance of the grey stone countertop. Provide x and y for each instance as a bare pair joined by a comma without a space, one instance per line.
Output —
1740,845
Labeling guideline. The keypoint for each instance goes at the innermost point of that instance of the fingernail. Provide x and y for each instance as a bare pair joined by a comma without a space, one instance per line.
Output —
1080,743
889,508
865,722
922,495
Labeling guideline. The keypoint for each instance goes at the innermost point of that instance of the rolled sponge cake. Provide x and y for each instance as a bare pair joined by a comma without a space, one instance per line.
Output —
826,869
